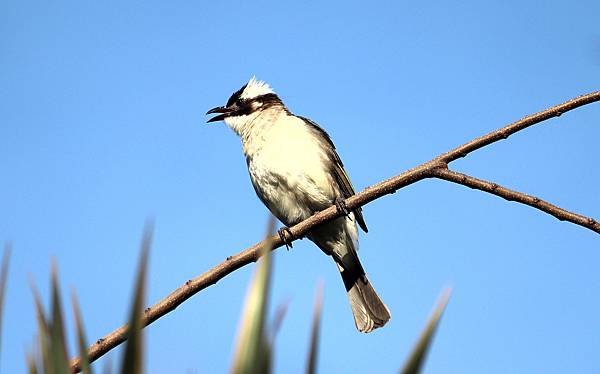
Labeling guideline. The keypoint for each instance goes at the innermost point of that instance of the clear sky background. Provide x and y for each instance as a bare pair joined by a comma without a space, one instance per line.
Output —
102,126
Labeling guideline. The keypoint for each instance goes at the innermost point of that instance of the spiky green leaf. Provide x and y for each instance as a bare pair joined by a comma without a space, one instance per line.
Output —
59,361
3,280
84,362
277,321
253,351
133,357
415,361
313,350
31,364
43,330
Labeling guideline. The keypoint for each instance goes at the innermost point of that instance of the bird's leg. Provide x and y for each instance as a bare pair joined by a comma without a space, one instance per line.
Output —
286,237
340,204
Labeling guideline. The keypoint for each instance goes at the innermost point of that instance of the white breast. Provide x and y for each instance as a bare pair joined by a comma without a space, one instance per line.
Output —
288,169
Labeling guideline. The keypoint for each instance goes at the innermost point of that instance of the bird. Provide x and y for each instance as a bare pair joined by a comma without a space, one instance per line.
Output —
296,172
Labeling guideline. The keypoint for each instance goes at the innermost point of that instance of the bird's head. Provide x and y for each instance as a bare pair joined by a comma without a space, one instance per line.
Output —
246,104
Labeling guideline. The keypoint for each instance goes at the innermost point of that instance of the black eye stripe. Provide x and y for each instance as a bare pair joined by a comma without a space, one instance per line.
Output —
267,100
248,106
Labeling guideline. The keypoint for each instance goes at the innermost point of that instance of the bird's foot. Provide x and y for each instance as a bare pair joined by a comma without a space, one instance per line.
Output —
286,237
340,204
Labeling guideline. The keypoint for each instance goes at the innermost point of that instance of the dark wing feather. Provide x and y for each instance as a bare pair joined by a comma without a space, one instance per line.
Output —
337,169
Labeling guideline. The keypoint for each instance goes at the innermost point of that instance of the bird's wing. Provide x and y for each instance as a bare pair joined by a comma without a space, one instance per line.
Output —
337,169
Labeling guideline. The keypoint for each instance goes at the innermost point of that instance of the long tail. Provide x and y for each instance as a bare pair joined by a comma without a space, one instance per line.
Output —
368,309
339,239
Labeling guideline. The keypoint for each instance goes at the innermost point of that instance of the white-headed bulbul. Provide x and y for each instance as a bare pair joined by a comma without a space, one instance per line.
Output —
296,172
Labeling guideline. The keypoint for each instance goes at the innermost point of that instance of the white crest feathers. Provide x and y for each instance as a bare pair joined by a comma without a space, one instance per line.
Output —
256,88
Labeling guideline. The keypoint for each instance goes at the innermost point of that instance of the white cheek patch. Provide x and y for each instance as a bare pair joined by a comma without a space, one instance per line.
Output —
256,105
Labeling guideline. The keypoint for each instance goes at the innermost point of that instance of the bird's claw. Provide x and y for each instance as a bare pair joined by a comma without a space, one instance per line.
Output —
340,204
286,237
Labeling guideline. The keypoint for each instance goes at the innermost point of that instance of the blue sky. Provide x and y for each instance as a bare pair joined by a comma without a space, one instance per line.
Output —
102,126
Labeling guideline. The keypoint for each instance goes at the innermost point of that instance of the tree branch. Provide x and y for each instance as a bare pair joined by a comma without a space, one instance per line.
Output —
523,123
434,168
510,195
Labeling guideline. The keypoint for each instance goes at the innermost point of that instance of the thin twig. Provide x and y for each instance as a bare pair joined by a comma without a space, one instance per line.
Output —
428,169
511,195
523,123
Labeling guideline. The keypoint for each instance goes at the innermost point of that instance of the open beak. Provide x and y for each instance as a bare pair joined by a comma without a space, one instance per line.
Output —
220,109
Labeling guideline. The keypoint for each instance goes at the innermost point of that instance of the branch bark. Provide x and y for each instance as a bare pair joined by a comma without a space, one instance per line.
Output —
511,195
435,168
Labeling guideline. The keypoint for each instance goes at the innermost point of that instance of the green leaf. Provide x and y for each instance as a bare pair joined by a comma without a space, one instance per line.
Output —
59,361
133,357
3,280
415,361
313,350
277,321
31,364
43,330
84,362
253,351
52,342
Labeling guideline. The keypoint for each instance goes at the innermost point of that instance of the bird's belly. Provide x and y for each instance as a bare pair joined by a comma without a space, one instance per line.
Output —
292,190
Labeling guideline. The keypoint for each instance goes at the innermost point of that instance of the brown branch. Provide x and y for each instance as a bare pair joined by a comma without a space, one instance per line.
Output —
523,123
511,195
251,254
